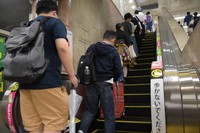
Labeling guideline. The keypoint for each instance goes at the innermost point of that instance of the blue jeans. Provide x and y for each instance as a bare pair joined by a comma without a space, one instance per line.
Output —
102,92
133,40
149,26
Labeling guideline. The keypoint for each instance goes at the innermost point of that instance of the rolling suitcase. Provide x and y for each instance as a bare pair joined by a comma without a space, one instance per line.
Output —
118,93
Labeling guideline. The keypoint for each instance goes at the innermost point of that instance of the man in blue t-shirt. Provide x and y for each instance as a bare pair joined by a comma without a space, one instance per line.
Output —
44,103
187,19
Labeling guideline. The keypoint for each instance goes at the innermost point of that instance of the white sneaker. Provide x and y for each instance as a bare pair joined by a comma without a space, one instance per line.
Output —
80,131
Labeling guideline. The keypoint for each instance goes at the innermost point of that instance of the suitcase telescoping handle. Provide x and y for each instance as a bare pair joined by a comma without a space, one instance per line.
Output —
117,89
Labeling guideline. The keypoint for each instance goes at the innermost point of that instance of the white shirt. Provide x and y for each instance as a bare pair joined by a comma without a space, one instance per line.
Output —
110,81
141,16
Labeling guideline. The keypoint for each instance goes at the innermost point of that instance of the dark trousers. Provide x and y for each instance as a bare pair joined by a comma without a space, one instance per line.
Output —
102,92
143,30
138,38
135,46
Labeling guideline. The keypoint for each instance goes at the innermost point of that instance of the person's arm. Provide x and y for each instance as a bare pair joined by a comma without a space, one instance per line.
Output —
184,20
117,67
126,39
66,59
129,28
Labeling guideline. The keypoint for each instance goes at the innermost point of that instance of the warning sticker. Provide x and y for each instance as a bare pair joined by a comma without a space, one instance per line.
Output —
156,73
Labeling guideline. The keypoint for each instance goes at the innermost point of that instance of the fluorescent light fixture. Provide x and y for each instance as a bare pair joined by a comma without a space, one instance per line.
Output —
130,1
177,18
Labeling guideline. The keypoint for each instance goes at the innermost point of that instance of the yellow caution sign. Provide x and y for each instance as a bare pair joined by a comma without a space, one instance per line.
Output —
156,73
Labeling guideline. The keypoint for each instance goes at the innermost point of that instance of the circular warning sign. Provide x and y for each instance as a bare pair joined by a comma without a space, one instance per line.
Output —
156,73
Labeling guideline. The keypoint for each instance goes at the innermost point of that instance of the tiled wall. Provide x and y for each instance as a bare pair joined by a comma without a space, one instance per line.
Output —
90,19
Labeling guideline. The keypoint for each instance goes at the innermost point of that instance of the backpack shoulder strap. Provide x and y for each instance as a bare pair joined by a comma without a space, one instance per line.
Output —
138,19
91,48
43,20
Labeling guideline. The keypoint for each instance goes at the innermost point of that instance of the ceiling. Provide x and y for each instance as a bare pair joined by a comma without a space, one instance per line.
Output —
13,13
18,10
177,8
143,3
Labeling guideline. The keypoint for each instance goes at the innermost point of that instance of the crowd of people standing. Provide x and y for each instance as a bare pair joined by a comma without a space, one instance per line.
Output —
131,32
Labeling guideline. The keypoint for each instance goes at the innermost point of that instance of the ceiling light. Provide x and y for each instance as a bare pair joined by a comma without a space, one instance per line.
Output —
133,7
130,1
182,17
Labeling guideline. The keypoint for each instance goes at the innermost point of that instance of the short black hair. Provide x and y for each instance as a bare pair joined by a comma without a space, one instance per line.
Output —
148,12
127,16
45,6
118,26
109,34
188,13
195,13
136,11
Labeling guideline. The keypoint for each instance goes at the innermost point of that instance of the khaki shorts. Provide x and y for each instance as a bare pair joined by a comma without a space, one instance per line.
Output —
45,109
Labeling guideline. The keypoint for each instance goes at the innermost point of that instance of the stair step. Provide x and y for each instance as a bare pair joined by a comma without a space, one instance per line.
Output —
148,40
137,98
152,42
145,44
143,65
137,79
137,109
137,88
149,51
141,124
146,71
145,60
147,47
147,55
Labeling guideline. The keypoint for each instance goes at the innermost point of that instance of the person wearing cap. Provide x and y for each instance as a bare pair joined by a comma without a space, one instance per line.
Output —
142,17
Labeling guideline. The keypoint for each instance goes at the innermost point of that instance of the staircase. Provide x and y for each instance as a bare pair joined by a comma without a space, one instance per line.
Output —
137,117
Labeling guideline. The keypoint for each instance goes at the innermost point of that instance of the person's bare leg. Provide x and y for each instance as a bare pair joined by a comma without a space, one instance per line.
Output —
125,71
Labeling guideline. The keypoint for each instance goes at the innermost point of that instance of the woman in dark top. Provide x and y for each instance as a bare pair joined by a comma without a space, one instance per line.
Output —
121,34
122,43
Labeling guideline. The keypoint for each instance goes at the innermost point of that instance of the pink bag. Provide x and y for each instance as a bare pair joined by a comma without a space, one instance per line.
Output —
118,91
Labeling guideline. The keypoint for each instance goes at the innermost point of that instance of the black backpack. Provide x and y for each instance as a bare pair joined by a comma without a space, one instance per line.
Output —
87,60
24,61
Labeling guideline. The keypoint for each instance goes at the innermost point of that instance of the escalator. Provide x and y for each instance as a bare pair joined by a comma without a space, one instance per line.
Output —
137,117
